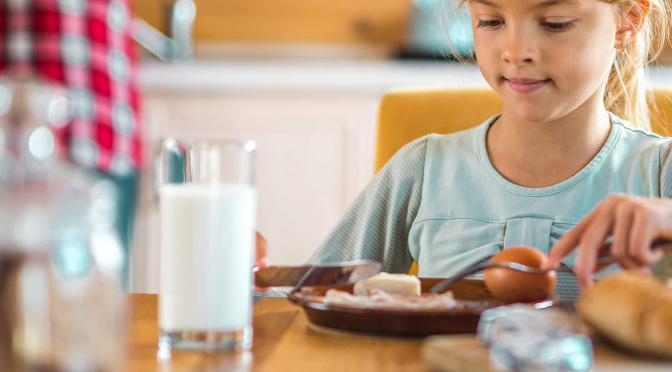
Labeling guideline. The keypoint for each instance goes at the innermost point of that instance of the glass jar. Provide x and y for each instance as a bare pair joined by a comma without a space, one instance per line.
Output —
60,256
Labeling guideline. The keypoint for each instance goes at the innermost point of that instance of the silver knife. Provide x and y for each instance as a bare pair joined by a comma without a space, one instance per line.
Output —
315,275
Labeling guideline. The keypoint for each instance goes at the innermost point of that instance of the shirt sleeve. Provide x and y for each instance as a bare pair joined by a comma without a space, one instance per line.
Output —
377,224
666,169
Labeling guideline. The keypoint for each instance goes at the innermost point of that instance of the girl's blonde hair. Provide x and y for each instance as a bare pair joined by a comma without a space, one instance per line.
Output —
626,94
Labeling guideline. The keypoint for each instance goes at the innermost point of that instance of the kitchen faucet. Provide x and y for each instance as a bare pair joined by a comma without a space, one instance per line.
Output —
178,44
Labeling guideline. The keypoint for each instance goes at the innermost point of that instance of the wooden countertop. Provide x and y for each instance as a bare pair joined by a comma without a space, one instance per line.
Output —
284,341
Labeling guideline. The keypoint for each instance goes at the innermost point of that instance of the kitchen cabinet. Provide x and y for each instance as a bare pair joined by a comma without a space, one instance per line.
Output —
363,22
315,153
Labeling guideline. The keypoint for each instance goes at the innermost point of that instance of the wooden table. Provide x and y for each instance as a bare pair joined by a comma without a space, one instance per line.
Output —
283,341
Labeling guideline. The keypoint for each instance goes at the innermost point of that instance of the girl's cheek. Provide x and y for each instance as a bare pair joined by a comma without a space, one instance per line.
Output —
486,45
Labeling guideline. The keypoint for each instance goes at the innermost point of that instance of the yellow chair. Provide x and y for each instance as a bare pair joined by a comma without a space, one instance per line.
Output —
405,115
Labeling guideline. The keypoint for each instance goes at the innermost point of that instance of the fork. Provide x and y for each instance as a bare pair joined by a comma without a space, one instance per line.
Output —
600,263
441,286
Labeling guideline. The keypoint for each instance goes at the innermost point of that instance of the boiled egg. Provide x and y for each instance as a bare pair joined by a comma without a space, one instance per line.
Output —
514,286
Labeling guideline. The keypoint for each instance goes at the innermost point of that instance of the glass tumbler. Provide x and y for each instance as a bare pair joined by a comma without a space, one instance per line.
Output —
208,208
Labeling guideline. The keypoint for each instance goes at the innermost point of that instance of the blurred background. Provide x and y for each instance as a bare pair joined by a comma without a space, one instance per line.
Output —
301,77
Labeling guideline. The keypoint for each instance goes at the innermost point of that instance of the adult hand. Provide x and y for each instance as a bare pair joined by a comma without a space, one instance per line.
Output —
632,222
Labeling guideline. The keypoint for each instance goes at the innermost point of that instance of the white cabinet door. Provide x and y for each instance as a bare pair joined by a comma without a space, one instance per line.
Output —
315,153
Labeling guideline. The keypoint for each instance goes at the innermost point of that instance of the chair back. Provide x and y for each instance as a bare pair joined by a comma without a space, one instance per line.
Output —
405,115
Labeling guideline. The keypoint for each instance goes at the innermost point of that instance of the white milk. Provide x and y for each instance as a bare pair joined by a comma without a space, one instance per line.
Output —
207,244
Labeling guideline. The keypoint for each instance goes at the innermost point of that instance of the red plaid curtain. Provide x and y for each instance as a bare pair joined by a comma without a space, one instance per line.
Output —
86,46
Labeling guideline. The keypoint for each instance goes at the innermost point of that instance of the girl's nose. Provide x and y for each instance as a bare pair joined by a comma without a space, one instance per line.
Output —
519,48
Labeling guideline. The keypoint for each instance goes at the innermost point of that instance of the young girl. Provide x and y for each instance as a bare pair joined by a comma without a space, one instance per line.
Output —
567,163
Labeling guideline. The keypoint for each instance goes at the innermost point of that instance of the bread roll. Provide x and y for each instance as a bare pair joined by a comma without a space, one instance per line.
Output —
632,310
658,328
402,284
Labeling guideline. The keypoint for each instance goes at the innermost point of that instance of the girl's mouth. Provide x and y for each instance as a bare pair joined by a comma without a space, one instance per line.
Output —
526,85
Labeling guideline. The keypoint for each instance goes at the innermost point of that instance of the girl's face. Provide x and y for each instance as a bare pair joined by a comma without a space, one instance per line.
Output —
546,58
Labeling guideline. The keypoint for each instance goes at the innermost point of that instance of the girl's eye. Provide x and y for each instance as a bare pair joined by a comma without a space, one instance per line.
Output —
557,26
490,23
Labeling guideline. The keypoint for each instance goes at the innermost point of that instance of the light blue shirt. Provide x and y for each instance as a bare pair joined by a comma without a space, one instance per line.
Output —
439,201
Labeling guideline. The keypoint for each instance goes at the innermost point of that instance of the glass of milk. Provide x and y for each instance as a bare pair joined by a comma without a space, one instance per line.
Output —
208,209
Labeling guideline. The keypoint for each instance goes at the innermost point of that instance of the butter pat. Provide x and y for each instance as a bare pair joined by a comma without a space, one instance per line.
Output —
402,284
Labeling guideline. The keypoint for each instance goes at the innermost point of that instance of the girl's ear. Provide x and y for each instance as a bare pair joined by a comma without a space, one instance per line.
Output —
631,21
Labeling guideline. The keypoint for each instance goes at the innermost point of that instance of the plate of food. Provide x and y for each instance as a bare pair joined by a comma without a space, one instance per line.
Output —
398,305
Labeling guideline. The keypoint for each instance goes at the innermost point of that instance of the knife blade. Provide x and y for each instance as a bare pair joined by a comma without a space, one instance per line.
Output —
315,275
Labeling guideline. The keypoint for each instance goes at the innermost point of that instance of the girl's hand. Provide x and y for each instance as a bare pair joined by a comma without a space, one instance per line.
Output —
633,222
261,256
261,259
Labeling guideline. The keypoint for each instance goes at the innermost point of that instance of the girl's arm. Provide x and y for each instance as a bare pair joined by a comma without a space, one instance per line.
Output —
376,225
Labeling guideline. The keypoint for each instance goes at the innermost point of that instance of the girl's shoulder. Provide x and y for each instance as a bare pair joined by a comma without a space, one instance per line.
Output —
460,141
630,132
642,148
455,141
635,139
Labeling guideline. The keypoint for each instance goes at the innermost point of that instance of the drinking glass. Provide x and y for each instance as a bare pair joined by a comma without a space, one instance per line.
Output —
208,208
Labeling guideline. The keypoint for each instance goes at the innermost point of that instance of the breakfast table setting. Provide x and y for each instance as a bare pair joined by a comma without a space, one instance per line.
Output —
305,327
285,340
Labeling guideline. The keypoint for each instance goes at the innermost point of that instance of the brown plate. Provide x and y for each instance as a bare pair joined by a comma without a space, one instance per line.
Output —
400,322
